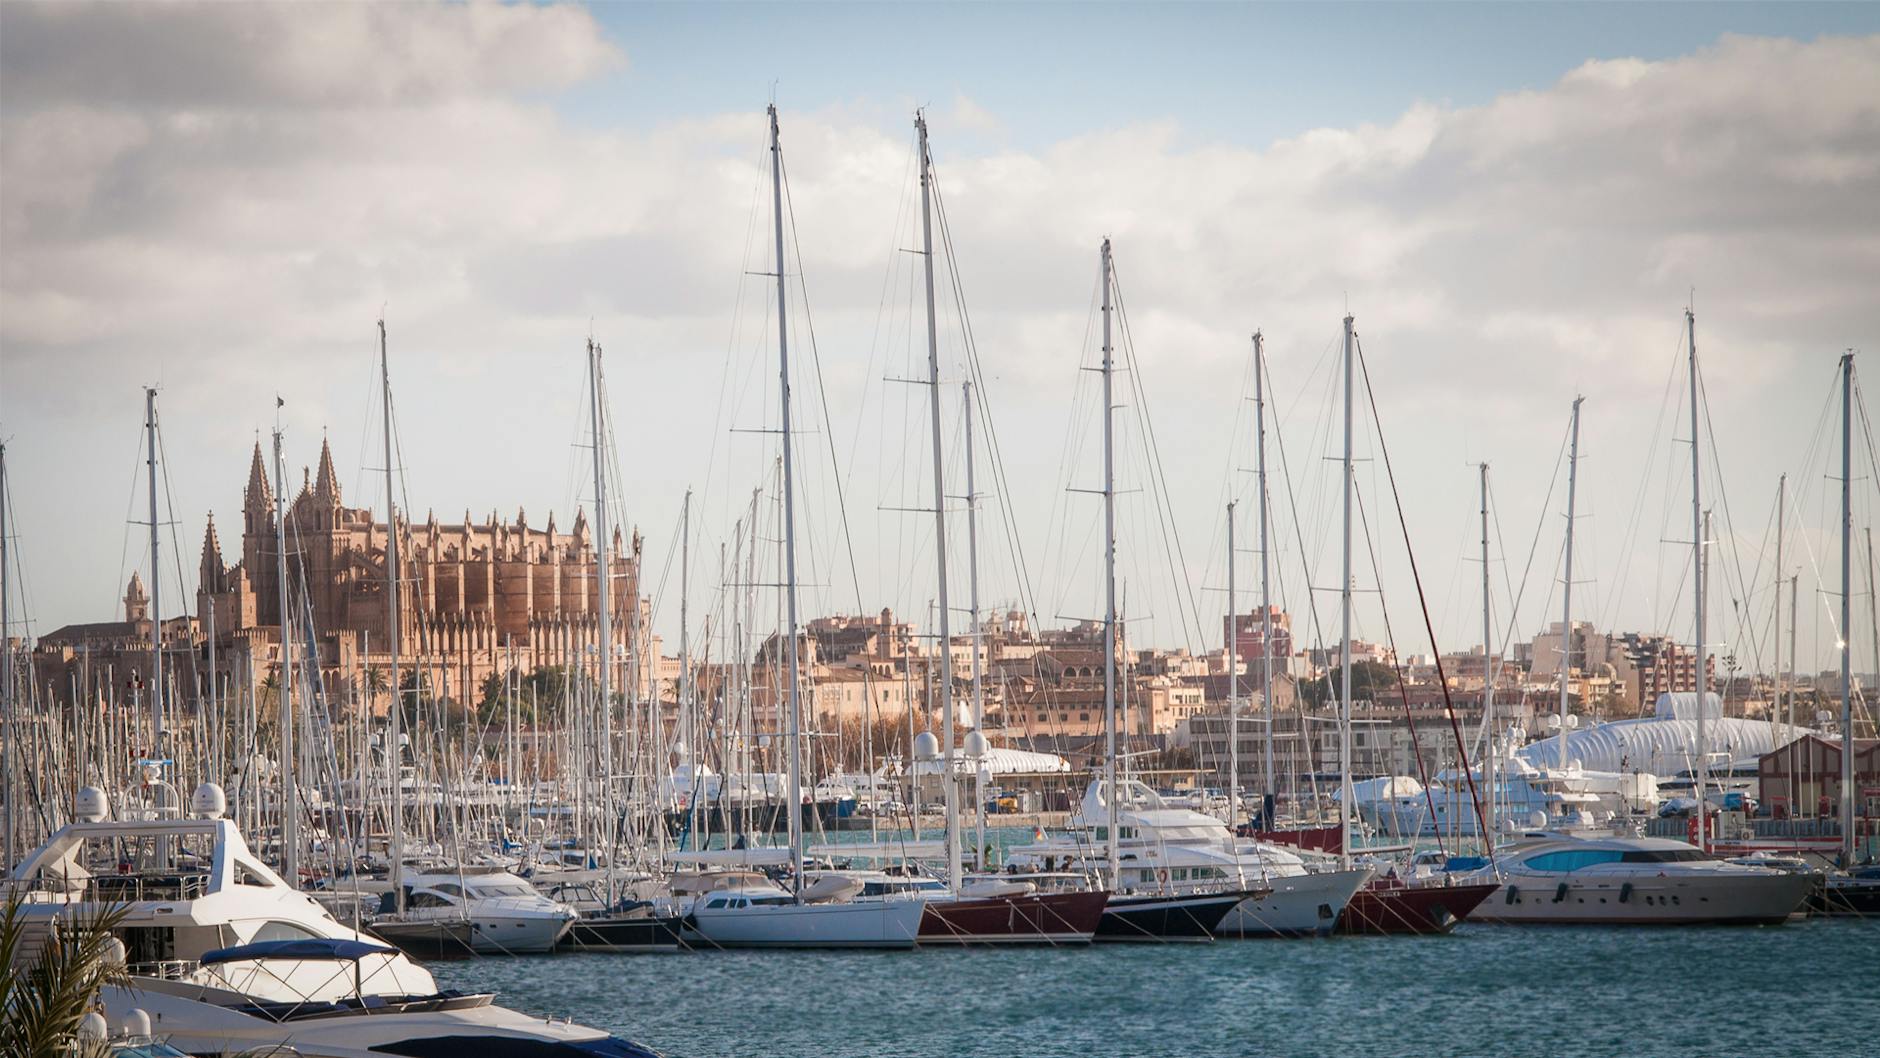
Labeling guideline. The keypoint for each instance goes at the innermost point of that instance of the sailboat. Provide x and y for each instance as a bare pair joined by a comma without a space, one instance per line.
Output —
748,908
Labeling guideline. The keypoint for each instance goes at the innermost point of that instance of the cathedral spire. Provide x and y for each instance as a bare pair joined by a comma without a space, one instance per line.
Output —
326,484
213,573
258,497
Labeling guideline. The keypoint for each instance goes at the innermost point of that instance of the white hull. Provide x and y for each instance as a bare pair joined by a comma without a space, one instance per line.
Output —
199,1027
870,924
1300,905
1646,900
517,935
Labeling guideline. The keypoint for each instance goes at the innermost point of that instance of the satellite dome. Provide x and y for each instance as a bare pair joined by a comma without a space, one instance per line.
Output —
91,805
926,746
208,802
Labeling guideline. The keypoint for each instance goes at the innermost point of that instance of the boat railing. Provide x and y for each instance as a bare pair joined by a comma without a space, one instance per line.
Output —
163,969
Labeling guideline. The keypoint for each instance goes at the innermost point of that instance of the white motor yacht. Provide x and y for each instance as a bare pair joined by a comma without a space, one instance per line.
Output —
503,914
746,909
1163,849
225,957
1556,878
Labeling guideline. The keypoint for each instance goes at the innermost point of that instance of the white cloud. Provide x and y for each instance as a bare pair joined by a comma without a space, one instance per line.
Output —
226,195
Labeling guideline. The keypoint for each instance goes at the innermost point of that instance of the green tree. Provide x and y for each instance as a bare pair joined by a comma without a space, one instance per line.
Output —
1370,681
43,1000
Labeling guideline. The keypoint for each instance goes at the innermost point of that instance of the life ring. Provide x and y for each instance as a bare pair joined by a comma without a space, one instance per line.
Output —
1161,875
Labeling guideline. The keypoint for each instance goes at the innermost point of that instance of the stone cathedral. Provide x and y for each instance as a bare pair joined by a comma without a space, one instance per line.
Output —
475,598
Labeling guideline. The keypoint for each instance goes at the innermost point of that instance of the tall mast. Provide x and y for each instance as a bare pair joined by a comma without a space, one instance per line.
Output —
688,719
1782,487
1109,584
1566,590
8,768
290,793
603,573
156,581
939,515
394,627
1488,672
1233,682
1269,802
795,740
979,691
1344,610
1699,669
1847,611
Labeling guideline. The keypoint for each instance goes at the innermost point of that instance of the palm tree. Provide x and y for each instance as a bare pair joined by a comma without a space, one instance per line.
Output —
43,999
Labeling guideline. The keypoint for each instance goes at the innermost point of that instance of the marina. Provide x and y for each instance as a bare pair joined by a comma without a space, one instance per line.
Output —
842,719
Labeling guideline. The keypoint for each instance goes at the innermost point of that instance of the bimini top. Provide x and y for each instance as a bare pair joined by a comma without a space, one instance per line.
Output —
298,948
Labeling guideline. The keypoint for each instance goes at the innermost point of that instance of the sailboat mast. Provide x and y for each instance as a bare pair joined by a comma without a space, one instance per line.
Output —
939,517
603,548
8,768
156,581
688,721
1233,681
1344,610
1269,802
1488,672
1700,673
290,794
1109,584
393,627
979,691
1566,583
1782,488
795,740
1847,611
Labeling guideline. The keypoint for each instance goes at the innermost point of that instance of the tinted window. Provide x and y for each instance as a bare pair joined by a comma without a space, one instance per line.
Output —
1573,859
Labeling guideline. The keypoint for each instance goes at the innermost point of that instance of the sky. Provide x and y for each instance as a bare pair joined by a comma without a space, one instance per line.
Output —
1516,203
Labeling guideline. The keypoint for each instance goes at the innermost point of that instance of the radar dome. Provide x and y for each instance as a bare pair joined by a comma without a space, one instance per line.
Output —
91,805
137,1022
975,745
93,1028
926,747
209,802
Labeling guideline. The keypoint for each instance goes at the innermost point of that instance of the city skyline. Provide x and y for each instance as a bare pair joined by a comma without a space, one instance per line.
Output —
233,231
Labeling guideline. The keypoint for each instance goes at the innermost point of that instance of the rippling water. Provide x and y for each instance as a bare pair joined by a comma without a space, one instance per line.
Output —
1809,987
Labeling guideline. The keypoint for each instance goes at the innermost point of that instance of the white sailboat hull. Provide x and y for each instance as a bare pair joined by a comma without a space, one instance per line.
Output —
1299,905
872,924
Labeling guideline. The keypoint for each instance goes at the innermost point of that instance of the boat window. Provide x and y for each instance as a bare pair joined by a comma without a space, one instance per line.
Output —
429,900
449,887
716,901
277,930
246,875
1666,856
1573,859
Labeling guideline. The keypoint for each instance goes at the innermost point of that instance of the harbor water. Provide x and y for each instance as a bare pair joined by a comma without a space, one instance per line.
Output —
1807,987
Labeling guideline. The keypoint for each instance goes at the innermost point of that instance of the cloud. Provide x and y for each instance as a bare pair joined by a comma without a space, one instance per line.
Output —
227,195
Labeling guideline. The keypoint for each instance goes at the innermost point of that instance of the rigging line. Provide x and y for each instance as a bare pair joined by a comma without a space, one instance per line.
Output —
130,509
1629,540
1455,727
1396,665
1723,494
169,501
731,340
1312,603
822,399
1178,560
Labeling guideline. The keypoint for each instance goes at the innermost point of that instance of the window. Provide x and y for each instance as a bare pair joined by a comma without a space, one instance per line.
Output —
451,888
281,931
1666,856
1573,859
